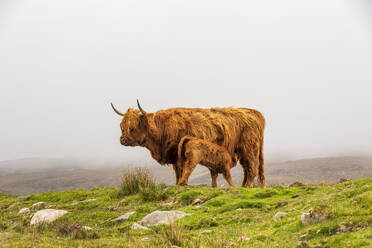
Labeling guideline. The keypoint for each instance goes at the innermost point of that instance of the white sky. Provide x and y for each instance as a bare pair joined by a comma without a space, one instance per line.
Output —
306,65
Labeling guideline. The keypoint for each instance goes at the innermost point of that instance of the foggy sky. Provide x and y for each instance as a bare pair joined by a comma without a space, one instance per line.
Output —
306,65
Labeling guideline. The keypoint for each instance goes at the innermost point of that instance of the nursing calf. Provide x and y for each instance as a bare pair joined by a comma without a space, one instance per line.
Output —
193,151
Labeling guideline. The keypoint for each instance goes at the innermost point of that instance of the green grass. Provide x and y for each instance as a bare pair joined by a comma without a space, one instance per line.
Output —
227,213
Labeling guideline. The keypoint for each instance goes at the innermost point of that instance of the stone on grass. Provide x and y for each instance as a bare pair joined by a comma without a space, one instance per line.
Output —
24,211
87,228
243,238
47,216
205,231
316,214
123,217
306,219
37,205
279,215
138,226
196,201
162,217
146,239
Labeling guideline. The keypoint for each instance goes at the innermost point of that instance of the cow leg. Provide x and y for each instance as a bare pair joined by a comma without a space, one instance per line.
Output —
214,176
252,166
178,172
245,173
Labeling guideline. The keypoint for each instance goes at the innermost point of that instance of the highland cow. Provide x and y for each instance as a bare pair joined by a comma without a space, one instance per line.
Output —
238,130
193,151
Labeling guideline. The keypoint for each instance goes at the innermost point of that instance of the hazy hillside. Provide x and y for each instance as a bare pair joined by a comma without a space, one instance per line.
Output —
22,177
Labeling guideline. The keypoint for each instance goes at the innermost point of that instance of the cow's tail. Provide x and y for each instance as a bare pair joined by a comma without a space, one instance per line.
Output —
261,167
181,148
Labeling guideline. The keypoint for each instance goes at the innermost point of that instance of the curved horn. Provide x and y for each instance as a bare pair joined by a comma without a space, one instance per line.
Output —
139,107
116,111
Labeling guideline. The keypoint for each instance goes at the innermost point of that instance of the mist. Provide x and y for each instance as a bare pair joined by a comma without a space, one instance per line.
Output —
305,65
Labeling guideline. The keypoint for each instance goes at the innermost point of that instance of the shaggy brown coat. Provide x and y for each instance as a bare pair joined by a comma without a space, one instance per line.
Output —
193,151
238,130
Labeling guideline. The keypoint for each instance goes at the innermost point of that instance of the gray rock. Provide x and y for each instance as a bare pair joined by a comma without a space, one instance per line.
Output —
162,217
123,217
306,218
138,226
24,211
196,201
87,228
37,205
147,239
279,215
317,214
47,216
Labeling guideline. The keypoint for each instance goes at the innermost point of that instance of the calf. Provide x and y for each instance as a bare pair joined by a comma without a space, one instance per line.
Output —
193,151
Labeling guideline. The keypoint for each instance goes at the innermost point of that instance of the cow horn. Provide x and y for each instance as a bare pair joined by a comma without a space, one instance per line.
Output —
116,111
139,107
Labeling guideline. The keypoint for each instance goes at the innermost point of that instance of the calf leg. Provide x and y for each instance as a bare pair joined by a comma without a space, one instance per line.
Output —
227,175
214,176
187,169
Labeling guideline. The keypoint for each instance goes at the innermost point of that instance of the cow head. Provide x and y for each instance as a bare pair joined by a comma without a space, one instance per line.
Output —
134,126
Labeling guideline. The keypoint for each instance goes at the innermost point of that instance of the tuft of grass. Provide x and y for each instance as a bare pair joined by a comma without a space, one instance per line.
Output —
136,181
156,193
174,235
76,231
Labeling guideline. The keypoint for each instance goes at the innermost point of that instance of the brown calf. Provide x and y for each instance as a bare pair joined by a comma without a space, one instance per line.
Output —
193,151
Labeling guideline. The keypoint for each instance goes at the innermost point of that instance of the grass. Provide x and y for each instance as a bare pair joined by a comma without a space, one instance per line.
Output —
227,217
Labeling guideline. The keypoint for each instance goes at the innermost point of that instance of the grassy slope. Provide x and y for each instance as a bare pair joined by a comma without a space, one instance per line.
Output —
228,212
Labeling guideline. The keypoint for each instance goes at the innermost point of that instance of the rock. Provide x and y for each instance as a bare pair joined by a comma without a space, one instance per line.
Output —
123,217
162,217
87,228
166,204
303,236
175,246
279,215
147,239
24,211
243,238
205,231
316,214
306,219
47,216
89,200
196,201
138,226
239,209
37,205
294,196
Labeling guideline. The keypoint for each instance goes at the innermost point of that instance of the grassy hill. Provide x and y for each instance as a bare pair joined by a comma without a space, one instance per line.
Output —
225,217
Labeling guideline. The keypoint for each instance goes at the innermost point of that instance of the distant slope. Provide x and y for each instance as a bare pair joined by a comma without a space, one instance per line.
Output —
27,176
316,170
